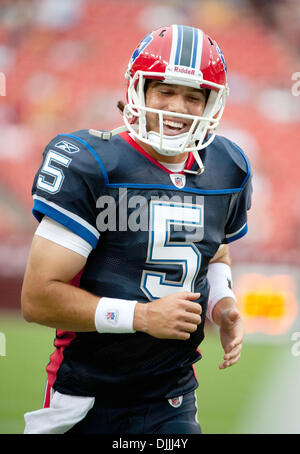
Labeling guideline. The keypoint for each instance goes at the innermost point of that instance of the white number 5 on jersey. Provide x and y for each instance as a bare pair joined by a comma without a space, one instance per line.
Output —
162,250
56,174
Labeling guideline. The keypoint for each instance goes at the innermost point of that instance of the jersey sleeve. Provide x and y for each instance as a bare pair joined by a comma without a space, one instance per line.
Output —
236,225
67,186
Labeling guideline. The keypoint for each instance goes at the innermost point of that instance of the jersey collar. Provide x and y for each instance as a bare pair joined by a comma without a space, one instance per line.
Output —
125,136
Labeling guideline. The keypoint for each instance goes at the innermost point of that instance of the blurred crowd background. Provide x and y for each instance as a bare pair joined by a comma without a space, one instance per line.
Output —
63,64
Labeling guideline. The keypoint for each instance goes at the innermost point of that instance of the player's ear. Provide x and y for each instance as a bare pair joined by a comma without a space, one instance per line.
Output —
121,104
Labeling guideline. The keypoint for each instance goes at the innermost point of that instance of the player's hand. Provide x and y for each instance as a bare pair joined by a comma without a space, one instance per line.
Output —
171,317
231,336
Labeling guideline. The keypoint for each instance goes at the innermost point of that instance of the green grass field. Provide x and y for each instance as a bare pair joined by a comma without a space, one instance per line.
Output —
223,395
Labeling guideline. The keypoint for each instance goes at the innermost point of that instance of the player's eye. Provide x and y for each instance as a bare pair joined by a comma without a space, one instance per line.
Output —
165,91
195,98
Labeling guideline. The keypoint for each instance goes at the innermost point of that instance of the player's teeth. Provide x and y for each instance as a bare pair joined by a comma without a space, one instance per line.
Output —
173,124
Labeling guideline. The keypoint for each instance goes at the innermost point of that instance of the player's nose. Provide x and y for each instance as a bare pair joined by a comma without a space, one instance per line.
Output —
178,104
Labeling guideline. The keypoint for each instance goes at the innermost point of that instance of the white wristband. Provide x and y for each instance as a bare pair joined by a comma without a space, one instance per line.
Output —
220,280
114,316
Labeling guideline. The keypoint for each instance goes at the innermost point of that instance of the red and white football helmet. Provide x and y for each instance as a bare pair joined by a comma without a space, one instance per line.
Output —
177,54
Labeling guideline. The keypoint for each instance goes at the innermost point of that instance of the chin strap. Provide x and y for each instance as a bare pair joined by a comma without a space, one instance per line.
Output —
107,135
200,164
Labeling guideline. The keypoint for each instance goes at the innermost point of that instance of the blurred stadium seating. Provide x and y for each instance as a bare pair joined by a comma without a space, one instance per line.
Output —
64,65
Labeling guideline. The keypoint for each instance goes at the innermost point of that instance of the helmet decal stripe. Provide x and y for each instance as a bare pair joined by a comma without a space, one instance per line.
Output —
179,45
187,46
199,49
174,44
195,32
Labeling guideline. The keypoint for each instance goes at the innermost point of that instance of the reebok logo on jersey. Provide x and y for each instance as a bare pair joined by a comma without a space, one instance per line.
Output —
67,146
178,180
176,401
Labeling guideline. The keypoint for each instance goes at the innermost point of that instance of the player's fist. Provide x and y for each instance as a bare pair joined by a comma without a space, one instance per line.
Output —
171,317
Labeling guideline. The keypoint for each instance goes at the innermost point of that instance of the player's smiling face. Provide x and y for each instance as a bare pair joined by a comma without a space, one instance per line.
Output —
173,98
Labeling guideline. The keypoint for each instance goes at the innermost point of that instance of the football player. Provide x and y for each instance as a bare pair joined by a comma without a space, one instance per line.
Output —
131,253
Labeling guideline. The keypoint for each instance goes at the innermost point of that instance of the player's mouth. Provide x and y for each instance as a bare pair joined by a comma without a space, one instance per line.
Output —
174,127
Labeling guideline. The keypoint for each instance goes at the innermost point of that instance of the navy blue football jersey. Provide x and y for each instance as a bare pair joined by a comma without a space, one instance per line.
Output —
153,233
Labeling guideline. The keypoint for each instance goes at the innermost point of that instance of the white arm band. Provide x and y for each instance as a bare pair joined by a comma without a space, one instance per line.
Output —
57,233
115,316
220,280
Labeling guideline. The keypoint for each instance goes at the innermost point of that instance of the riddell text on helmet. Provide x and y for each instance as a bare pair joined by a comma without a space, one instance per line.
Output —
180,69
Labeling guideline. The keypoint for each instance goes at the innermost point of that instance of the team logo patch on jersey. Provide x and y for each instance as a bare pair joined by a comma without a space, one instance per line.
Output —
67,146
111,316
176,401
178,180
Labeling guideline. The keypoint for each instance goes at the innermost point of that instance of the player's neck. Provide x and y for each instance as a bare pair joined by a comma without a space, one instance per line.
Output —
162,158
